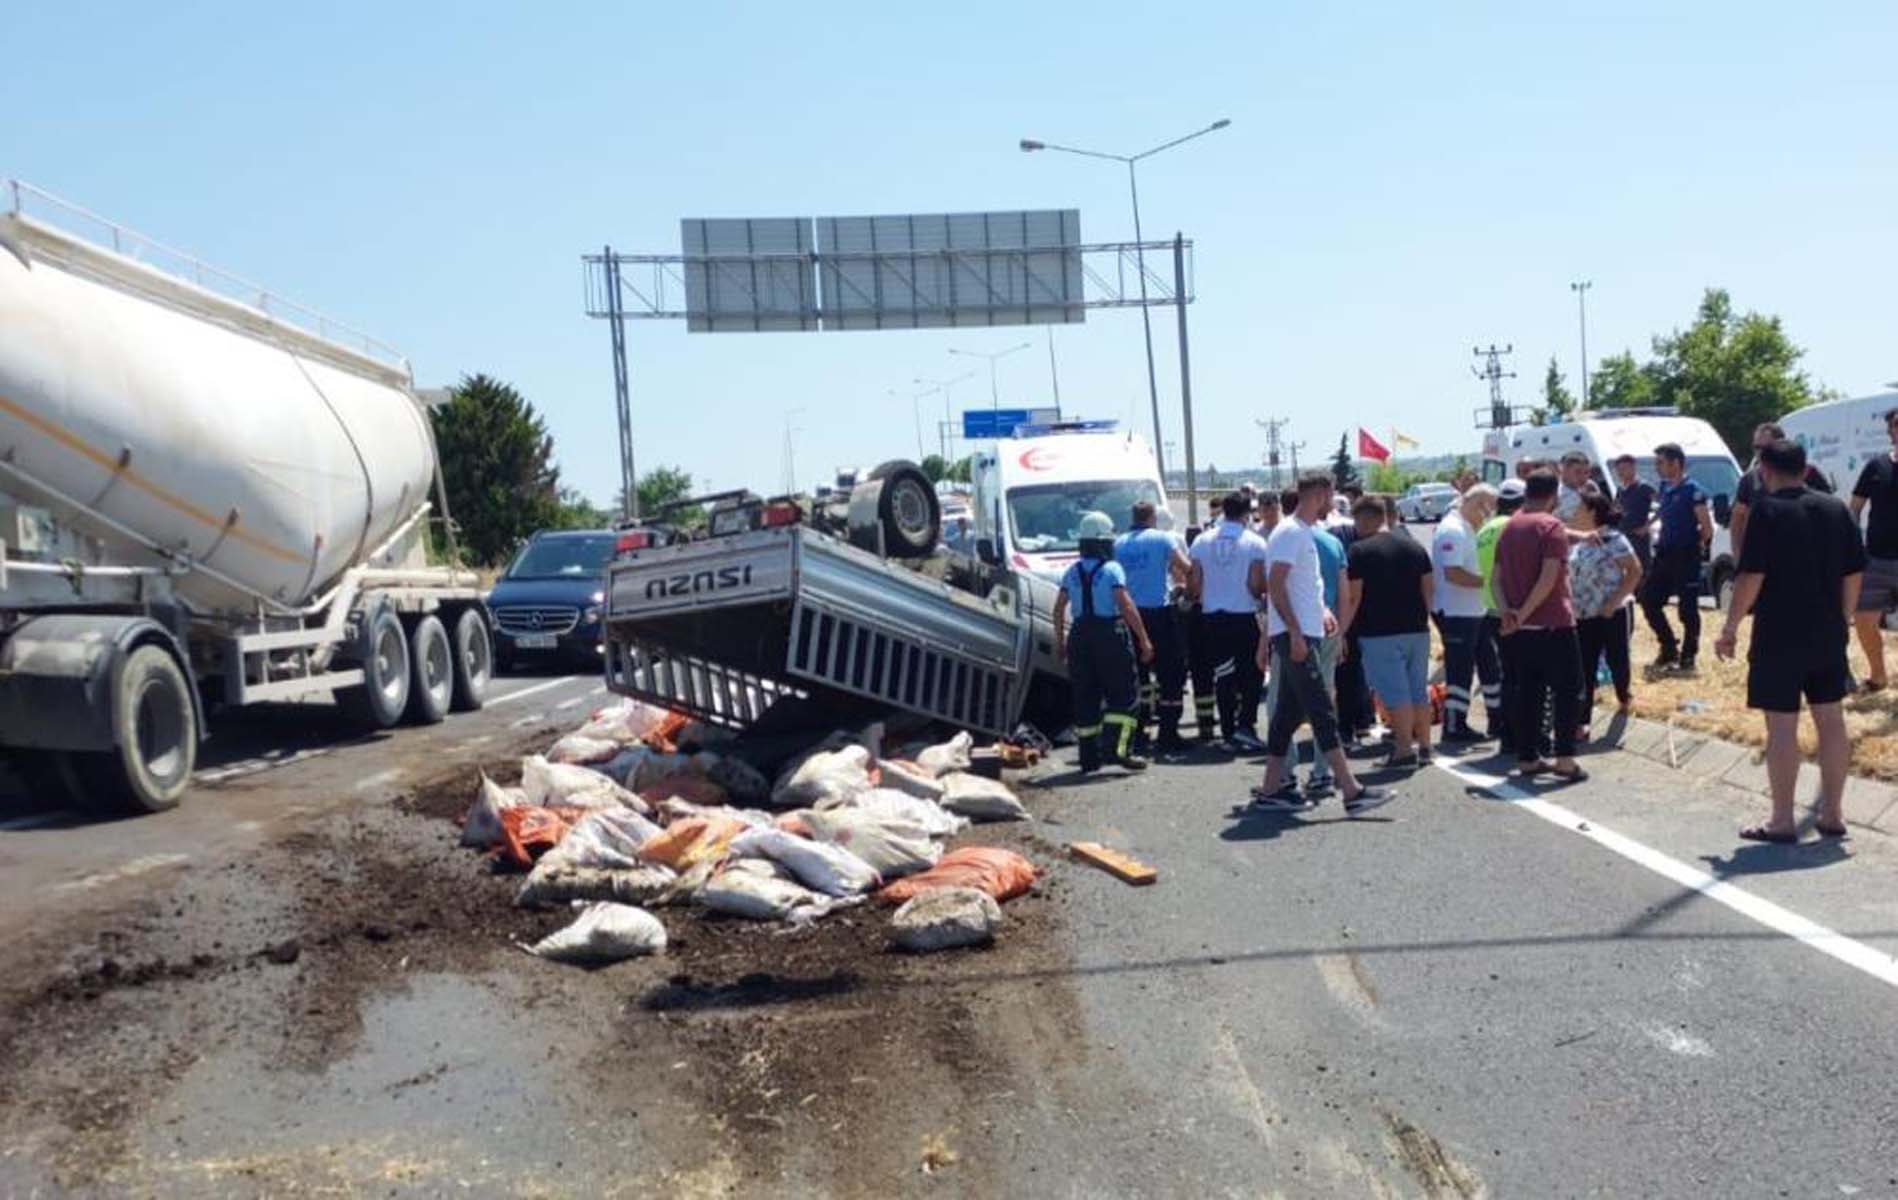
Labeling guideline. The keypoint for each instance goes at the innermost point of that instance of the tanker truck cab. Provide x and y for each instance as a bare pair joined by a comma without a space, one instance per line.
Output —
1605,435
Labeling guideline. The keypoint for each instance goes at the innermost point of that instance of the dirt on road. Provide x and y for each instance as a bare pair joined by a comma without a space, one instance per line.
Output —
348,1009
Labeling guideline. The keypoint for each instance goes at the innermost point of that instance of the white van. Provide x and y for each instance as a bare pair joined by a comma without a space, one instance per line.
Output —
1842,435
1608,434
1031,491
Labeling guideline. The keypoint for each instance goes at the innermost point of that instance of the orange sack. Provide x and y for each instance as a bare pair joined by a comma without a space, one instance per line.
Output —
1003,874
529,831
691,840
662,735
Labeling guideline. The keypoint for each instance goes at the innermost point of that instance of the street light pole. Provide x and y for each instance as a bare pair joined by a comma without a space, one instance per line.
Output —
1140,254
995,395
932,386
1581,303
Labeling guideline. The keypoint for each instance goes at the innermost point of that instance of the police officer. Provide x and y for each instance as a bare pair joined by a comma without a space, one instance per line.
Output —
1153,560
1099,656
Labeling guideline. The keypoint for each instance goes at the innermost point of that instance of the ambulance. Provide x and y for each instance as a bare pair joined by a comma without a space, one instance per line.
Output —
1032,489
1841,436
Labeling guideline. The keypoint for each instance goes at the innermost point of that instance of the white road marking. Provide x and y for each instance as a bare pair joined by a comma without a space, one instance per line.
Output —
471,743
252,766
566,704
525,692
1853,953
138,866
530,719
378,779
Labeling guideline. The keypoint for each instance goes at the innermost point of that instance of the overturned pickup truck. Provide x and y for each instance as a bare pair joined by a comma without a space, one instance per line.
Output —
849,600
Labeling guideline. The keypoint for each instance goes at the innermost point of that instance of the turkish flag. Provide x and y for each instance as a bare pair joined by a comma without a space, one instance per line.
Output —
1370,447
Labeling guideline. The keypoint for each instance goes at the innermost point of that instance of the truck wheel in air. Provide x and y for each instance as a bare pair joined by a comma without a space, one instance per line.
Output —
384,692
432,659
154,726
898,502
474,660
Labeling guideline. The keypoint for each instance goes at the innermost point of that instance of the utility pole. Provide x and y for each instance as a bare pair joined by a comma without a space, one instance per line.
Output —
1581,303
1272,426
789,463
1294,447
1494,373
1054,378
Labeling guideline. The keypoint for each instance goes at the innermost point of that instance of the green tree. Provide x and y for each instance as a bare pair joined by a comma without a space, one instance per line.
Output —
962,471
1344,470
578,512
1557,401
935,467
1387,478
1619,382
1731,371
662,486
497,462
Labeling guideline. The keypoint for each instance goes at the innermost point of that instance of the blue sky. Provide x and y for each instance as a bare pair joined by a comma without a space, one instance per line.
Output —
1400,182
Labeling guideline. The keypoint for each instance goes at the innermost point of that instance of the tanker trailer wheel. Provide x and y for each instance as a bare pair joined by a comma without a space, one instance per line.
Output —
433,660
155,730
907,509
384,692
474,660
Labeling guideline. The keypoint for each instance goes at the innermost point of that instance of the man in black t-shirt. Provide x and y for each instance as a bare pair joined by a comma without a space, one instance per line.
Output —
1387,597
1635,497
1750,489
1878,486
1799,575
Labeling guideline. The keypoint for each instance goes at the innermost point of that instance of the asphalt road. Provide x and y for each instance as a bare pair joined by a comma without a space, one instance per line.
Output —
1475,991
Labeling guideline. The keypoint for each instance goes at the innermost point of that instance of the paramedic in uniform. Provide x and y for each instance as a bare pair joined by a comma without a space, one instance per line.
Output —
1099,655
1153,560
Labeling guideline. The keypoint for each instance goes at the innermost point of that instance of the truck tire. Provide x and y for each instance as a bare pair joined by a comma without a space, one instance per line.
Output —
432,663
474,660
899,503
155,728
379,700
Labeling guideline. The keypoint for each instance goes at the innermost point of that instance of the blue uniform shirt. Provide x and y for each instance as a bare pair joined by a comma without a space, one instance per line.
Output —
1330,563
1107,577
1675,502
1146,556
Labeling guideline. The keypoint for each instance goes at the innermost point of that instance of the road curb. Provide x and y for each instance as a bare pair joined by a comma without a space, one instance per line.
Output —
1869,803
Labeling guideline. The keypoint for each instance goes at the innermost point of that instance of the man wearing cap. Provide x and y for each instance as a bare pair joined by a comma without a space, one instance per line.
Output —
1099,655
1153,560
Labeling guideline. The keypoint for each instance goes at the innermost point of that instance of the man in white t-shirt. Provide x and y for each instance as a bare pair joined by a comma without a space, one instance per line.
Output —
1575,481
1298,623
1227,581
1461,606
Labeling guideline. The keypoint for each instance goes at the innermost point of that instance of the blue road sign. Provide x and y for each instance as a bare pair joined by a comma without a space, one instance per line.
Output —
1001,422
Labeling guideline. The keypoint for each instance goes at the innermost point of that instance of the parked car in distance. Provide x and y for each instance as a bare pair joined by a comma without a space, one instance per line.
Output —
1426,502
547,605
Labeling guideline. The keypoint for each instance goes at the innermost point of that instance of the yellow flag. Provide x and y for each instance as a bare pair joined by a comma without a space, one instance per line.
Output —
1400,439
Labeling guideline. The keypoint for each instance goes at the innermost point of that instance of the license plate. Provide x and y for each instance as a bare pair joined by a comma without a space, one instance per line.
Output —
535,641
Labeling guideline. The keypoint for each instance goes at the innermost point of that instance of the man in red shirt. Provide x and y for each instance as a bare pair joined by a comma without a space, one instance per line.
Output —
1540,652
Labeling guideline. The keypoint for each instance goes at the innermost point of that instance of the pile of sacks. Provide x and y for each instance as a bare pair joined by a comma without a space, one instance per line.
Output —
615,819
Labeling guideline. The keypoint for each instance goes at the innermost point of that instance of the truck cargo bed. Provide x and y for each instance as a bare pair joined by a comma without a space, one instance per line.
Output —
723,628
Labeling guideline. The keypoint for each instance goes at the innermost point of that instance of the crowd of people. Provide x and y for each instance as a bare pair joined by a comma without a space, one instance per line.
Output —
1316,603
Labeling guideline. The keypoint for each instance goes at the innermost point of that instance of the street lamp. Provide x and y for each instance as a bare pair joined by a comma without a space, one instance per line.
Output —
1029,145
995,396
931,387
1581,302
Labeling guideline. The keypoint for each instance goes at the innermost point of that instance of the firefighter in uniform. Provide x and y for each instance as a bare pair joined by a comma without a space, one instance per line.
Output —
1154,560
1099,653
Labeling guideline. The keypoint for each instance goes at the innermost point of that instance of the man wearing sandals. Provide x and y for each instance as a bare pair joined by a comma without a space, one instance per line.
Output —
1538,628
1799,575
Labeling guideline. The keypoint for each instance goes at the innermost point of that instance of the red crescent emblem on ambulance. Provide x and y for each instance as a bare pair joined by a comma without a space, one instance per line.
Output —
1039,459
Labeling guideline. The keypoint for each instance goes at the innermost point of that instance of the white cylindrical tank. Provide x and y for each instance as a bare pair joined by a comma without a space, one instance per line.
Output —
267,454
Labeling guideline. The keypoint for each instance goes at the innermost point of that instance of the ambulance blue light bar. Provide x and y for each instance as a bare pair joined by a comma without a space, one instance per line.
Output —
1053,427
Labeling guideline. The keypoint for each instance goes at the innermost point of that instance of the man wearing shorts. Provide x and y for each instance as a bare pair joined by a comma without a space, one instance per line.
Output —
1877,486
1387,598
1296,624
1799,575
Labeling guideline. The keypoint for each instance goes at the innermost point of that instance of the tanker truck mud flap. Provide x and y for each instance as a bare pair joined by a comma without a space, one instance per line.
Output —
108,698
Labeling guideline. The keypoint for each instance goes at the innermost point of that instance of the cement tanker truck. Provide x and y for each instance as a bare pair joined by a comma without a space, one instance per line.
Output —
208,497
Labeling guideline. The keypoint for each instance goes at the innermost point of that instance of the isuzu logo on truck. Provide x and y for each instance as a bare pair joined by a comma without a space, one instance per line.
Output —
688,583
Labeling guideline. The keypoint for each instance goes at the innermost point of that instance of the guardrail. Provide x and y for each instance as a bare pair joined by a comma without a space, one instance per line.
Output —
25,200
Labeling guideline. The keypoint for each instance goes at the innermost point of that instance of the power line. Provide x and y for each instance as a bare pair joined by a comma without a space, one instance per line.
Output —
1272,425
